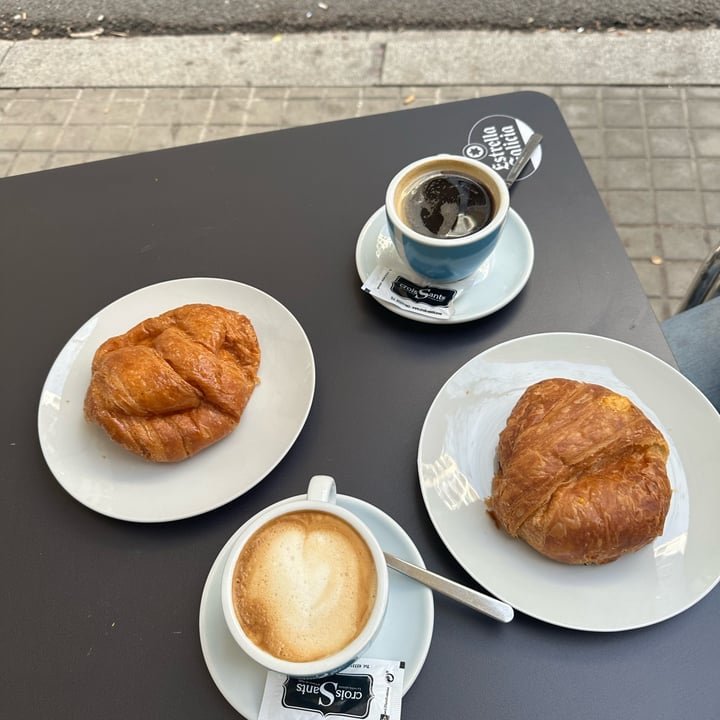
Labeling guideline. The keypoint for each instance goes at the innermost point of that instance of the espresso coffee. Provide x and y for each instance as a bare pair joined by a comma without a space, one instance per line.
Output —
304,586
445,204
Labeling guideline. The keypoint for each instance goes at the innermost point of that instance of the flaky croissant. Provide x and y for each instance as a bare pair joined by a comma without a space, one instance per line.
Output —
176,383
582,473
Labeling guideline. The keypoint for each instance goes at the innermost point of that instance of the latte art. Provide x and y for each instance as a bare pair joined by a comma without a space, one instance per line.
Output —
304,586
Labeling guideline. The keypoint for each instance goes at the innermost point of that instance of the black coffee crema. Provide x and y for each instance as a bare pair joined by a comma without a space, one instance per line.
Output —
446,204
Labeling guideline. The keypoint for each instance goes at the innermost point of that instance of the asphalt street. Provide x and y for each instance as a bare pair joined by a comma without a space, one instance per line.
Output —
50,18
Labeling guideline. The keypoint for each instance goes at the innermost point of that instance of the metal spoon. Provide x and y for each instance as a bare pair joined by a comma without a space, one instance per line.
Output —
521,162
472,598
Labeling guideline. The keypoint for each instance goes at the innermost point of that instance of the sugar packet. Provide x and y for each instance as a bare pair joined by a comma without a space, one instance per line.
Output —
369,688
424,300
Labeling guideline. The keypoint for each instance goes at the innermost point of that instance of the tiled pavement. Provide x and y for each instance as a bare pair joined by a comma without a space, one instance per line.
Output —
653,151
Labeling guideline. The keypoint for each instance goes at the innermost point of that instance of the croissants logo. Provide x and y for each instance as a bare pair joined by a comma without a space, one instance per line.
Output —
343,695
435,296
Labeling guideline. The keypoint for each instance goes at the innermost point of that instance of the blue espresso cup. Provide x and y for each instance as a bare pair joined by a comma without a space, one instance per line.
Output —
453,256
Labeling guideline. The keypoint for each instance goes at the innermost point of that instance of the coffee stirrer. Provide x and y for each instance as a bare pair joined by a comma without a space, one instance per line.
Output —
522,160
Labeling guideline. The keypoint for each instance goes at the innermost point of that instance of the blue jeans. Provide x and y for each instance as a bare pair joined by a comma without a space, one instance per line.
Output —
694,338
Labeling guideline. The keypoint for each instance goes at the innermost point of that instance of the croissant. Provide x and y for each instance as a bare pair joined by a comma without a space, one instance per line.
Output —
176,383
581,473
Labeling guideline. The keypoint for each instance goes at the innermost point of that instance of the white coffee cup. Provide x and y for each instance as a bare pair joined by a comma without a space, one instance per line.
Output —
294,612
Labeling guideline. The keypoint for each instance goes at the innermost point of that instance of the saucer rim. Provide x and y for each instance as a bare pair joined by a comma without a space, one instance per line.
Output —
409,552
525,242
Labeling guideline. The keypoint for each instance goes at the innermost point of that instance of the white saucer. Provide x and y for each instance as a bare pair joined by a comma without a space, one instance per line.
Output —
405,634
498,280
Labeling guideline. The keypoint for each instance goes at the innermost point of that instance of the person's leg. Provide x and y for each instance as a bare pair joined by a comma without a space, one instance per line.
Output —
694,338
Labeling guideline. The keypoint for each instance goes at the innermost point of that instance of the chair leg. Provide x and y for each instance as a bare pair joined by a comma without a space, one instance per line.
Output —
706,283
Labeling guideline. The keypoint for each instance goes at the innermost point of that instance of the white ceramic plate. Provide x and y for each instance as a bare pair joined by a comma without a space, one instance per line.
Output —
110,480
456,460
496,282
405,634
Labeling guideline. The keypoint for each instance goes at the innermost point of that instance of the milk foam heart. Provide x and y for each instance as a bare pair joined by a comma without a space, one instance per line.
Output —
304,585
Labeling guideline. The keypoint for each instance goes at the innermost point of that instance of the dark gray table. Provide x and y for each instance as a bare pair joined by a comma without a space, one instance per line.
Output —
100,617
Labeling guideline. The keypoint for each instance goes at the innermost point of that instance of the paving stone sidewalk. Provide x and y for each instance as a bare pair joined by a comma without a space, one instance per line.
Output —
653,151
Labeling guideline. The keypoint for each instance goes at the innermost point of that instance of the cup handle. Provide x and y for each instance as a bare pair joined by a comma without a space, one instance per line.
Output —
322,489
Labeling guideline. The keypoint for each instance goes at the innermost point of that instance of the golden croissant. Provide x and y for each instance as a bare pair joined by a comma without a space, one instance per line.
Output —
581,473
176,383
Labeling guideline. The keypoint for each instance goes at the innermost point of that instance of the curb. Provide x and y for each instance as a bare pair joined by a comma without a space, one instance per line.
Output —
369,59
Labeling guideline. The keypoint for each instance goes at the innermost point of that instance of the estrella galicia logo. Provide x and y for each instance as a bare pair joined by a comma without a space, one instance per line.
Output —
339,694
498,140
435,296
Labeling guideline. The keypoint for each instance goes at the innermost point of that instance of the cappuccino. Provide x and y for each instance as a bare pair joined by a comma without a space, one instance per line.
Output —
304,585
